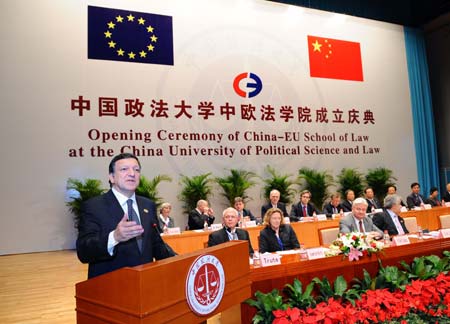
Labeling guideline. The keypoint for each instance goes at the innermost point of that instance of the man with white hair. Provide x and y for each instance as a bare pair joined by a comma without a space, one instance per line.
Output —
357,220
389,219
201,215
230,232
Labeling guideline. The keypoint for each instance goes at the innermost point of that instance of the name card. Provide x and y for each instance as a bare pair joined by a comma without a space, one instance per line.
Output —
378,210
444,233
173,230
417,208
315,253
250,224
403,209
400,240
270,259
216,227
447,204
427,206
321,217
287,220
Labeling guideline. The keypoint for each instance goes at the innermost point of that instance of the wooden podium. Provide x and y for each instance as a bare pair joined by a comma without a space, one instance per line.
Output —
156,292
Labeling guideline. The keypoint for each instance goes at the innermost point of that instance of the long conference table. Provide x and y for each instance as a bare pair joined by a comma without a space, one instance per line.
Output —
307,232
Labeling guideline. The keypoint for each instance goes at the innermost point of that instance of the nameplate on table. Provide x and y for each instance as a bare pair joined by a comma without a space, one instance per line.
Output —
250,224
321,217
447,204
427,206
315,253
444,233
287,220
269,259
216,227
173,230
400,240
403,209
378,210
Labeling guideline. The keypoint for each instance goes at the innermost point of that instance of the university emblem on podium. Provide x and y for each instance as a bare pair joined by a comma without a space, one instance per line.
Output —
205,284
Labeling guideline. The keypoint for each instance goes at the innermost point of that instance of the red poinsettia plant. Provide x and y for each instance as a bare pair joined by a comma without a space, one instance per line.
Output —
421,301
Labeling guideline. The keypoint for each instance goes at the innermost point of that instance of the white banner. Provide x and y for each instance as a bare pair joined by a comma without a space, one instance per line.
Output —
239,95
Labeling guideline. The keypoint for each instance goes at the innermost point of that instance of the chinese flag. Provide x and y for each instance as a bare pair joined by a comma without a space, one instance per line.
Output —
334,59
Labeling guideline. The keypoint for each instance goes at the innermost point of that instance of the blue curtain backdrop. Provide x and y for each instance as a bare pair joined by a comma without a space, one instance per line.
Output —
422,111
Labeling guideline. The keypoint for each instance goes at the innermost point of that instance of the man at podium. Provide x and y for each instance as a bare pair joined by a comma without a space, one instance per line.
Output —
230,232
119,229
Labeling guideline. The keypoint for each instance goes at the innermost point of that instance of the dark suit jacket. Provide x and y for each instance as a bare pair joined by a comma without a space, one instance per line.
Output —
446,196
197,220
328,209
297,211
280,205
268,241
221,236
384,222
346,206
100,216
376,204
414,201
433,202
247,212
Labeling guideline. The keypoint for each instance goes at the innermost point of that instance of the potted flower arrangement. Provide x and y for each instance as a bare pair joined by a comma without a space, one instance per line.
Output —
354,245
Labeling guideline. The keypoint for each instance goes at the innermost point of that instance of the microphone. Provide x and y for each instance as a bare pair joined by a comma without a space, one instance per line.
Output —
167,247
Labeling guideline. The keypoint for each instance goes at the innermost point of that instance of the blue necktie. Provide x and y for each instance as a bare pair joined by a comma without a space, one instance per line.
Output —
132,216
280,242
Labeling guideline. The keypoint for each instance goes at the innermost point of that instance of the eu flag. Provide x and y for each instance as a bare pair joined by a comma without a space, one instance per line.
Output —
123,35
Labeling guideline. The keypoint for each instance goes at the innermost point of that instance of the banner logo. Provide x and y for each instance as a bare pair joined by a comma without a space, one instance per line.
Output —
205,284
255,85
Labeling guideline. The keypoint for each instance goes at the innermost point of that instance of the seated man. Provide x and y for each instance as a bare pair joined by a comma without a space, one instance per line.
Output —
334,206
239,205
357,221
230,232
373,202
446,195
415,199
348,201
392,190
304,209
200,215
389,219
274,198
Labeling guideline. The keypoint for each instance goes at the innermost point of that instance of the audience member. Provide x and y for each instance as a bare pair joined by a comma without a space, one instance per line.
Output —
347,203
372,202
304,209
274,198
117,229
243,214
358,221
392,190
334,206
276,235
230,232
433,198
201,215
446,196
165,221
389,219
415,199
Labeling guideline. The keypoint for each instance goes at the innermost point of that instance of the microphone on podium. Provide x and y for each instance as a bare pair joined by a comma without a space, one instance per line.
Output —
169,250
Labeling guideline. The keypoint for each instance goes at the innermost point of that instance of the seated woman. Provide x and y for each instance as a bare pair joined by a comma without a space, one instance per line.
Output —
276,236
164,219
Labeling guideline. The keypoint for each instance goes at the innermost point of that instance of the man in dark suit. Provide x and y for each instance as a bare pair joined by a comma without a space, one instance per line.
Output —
358,221
304,209
200,216
446,195
415,199
230,232
274,198
334,206
372,202
389,219
239,205
119,229
348,201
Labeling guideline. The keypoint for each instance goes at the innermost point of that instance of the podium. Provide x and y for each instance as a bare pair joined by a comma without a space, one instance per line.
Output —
156,292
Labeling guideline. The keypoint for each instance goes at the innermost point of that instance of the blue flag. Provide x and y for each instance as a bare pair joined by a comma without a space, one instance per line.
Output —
123,35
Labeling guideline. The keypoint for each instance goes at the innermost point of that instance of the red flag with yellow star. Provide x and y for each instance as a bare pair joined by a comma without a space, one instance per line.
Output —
334,59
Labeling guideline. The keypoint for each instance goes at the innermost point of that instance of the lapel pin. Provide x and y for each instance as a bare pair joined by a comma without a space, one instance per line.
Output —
145,210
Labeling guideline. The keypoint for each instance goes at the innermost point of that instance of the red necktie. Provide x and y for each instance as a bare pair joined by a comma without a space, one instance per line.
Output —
304,211
361,229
